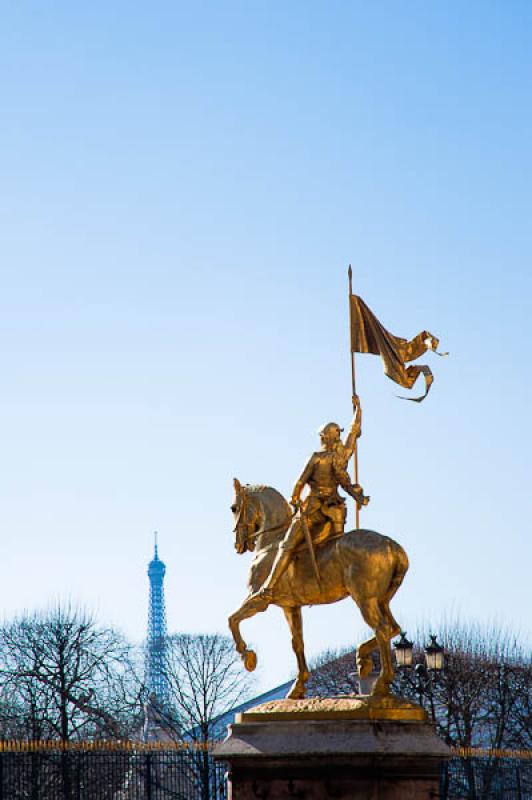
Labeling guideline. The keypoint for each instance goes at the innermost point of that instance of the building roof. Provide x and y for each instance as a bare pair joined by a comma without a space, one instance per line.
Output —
220,723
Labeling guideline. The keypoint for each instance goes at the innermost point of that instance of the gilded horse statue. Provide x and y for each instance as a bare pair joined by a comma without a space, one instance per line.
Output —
362,564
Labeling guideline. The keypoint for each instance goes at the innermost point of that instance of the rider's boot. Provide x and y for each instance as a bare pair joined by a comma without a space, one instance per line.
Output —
280,565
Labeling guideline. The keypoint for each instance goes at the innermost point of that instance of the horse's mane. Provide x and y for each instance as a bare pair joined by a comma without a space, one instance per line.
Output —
274,507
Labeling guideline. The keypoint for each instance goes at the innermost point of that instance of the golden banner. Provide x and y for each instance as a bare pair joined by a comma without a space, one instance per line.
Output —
369,336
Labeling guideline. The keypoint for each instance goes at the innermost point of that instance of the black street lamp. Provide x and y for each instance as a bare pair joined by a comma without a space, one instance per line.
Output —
404,653
420,677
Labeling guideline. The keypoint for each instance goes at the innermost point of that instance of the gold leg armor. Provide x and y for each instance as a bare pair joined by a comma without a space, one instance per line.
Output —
284,555
280,565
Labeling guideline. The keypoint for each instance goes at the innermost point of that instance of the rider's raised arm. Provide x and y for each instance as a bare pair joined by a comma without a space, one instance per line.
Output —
356,428
302,480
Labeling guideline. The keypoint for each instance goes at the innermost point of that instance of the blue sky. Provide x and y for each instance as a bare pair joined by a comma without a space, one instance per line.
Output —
183,186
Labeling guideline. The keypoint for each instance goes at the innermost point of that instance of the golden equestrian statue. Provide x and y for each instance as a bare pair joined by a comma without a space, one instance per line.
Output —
362,564
303,557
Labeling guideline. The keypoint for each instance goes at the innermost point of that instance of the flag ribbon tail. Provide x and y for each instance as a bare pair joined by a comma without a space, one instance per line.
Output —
414,372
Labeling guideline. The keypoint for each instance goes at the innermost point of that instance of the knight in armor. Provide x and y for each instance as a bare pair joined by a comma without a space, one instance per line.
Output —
324,508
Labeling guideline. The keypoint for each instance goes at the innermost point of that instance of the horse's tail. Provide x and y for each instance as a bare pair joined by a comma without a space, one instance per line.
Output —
400,570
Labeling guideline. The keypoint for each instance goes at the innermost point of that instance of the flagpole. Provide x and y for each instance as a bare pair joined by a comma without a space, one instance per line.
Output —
353,383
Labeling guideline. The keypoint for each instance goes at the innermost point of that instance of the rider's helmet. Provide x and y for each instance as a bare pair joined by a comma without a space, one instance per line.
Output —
330,432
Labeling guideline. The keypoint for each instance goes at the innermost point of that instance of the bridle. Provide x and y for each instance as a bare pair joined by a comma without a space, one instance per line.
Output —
241,521
251,536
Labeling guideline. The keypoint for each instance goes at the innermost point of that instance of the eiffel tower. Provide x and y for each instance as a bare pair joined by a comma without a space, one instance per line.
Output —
155,678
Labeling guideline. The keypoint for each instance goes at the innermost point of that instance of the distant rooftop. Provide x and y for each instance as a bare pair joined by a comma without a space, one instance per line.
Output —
220,723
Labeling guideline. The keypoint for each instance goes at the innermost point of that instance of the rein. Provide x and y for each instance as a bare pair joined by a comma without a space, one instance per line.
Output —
265,530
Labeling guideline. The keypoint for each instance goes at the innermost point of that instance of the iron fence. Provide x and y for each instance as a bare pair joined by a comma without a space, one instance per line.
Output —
101,773
131,771
488,777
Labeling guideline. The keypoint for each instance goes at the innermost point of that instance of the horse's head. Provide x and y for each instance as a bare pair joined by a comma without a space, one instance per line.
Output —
247,518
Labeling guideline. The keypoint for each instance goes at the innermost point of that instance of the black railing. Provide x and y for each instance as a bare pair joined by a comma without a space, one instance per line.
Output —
111,775
487,778
117,772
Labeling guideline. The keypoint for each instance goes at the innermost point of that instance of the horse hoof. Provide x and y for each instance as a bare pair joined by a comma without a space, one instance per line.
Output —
249,658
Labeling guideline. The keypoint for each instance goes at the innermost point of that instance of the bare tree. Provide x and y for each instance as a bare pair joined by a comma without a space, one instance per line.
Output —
333,672
482,697
63,677
205,678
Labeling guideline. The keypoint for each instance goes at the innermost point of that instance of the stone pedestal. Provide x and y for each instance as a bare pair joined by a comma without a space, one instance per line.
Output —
317,750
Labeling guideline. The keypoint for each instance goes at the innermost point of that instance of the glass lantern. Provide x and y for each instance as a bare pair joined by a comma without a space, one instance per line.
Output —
434,655
403,651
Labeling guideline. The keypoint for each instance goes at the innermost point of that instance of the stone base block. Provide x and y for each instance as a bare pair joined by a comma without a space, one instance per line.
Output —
349,759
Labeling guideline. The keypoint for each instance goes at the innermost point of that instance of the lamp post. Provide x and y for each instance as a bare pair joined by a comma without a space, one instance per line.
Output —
423,673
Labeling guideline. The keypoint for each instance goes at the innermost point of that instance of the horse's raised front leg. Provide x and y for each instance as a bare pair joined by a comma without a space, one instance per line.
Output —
295,622
250,607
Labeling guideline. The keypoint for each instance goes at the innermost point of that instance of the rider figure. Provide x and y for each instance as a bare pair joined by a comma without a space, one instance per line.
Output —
324,508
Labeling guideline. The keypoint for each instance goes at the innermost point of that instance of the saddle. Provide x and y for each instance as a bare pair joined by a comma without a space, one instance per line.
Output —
323,536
